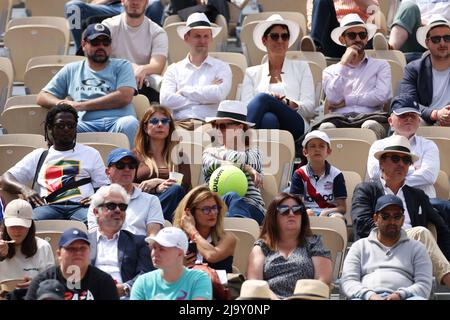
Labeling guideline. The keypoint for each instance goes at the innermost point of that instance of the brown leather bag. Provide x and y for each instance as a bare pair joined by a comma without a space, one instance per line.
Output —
220,292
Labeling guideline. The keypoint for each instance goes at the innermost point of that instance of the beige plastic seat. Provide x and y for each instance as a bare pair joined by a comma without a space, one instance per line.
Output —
10,154
103,148
21,100
52,237
251,52
237,78
283,5
350,155
192,154
141,105
269,190
352,179
443,145
118,139
231,57
35,36
394,55
40,70
434,132
59,225
352,133
24,139
24,119
442,187
45,7
171,19
396,75
244,245
6,80
5,14
245,224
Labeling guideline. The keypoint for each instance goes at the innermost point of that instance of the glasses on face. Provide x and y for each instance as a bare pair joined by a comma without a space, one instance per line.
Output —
97,42
395,158
112,206
352,35
275,36
437,39
284,210
396,217
156,121
61,125
209,210
123,165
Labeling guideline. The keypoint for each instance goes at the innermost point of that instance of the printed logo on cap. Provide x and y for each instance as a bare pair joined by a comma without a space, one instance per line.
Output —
99,27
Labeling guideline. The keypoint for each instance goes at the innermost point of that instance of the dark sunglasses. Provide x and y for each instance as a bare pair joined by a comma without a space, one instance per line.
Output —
437,39
61,126
386,216
284,210
122,165
395,158
112,206
352,35
208,210
156,121
275,36
97,42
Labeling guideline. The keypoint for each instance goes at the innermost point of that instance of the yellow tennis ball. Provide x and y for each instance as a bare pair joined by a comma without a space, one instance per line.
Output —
228,179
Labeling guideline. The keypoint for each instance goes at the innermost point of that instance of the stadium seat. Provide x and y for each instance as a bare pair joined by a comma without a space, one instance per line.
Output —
352,133
6,80
24,119
442,187
10,154
141,105
24,139
245,224
118,139
21,100
434,132
244,245
54,8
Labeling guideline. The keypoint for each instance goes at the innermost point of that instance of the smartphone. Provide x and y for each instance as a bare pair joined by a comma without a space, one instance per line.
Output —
192,247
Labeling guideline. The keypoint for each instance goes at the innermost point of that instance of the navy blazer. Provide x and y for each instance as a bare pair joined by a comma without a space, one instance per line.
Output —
419,207
418,82
133,254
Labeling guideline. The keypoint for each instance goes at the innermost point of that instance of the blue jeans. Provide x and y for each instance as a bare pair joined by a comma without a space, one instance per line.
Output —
127,125
237,207
61,212
170,199
268,112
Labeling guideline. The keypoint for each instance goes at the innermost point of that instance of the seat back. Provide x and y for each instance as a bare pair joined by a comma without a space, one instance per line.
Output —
24,119
433,132
349,155
283,5
231,57
45,7
251,52
141,105
24,139
118,139
269,190
443,145
396,75
59,225
245,224
394,55
442,187
237,79
6,80
192,154
21,100
52,237
171,19
5,14
244,245
352,133
103,148
351,181
10,154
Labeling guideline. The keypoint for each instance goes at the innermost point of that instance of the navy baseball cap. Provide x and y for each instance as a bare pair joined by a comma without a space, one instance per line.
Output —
96,30
118,154
50,289
403,104
388,200
71,235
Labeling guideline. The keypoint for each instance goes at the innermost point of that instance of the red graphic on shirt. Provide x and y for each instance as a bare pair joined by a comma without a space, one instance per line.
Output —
60,173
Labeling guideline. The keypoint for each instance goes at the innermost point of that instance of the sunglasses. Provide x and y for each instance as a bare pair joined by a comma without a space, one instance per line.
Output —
61,126
129,165
437,39
112,206
296,210
396,217
352,35
275,36
156,121
97,42
208,210
396,159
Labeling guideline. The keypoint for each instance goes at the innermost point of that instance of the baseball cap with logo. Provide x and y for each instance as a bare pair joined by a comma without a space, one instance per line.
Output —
50,289
388,200
18,213
96,30
118,154
71,235
170,237
404,104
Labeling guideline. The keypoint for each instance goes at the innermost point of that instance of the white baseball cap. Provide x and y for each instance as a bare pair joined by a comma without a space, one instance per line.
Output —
18,213
316,134
170,237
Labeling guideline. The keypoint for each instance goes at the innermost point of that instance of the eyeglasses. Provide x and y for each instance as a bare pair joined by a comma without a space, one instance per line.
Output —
223,126
296,210
61,126
129,165
112,206
437,39
396,217
97,42
395,158
208,210
156,121
275,36
352,35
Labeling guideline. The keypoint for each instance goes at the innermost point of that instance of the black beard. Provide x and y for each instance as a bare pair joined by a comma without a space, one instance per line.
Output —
99,59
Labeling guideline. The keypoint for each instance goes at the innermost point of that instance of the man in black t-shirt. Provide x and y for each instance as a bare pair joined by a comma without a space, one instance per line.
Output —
80,280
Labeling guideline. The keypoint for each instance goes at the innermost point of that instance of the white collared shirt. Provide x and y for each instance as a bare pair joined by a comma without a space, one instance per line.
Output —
387,190
108,256
189,90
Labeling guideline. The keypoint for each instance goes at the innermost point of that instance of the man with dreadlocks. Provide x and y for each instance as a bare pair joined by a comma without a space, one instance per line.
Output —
64,176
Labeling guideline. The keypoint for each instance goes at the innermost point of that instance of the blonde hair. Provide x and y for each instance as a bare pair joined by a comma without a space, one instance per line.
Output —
143,144
192,200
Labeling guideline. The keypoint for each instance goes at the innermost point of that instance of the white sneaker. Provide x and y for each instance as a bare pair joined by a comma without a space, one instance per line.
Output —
379,42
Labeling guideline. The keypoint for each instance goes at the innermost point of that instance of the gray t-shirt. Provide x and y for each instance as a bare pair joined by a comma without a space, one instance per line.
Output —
441,89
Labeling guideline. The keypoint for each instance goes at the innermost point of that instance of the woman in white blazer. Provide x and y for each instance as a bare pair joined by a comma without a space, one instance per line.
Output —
280,92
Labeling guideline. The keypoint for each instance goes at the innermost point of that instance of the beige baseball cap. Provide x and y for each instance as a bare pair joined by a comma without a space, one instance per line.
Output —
18,213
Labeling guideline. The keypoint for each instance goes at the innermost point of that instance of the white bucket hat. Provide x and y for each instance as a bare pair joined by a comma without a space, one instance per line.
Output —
197,20
397,144
261,27
232,110
350,21
435,20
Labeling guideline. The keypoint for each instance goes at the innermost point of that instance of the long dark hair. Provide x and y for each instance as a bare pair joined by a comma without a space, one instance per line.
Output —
50,120
28,246
270,232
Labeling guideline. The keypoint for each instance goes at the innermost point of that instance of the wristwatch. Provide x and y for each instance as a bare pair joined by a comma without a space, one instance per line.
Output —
126,289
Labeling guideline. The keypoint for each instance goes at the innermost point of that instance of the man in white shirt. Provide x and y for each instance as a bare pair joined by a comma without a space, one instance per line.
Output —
194,86
144,213
120,253
141,41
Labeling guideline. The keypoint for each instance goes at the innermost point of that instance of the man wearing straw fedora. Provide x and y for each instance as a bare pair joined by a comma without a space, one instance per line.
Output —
358,86
428,79
194,86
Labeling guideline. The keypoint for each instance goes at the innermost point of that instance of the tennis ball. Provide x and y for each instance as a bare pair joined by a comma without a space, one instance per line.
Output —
228,179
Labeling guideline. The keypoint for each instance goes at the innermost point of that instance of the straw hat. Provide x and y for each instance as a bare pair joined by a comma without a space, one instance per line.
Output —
435,20
397,144
254,290
350,21
261,27
310,289
197,20
232,110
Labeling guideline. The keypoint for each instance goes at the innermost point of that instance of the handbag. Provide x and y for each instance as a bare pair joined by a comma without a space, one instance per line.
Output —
220,292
